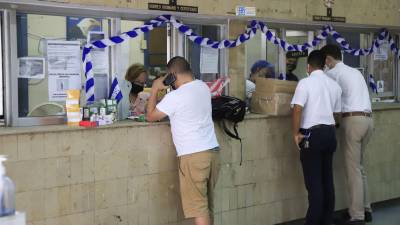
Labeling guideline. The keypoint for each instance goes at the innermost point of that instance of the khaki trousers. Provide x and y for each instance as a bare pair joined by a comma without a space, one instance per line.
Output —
357,131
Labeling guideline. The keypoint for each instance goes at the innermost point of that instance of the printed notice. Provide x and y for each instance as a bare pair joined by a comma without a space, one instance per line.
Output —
382,52
209,60
101,65
31,67
64,68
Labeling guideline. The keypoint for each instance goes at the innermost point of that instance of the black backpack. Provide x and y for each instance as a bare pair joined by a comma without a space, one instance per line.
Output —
231,109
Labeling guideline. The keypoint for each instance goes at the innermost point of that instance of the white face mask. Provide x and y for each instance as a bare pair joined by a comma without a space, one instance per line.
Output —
326,68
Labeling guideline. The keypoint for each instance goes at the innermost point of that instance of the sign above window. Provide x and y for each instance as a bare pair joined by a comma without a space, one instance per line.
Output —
245,11
173,6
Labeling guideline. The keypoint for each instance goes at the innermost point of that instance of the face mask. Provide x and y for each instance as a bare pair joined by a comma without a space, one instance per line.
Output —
291,67
136,89
326,69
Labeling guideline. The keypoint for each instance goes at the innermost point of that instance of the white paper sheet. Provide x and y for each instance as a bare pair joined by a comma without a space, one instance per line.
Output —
64,68
31,67
382,52
208,60
101,65
380,86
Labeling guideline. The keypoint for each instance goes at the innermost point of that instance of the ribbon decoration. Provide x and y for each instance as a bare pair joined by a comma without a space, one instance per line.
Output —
250,32
372,84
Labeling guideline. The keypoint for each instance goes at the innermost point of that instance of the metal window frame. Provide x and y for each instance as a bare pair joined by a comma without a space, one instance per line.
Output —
2,101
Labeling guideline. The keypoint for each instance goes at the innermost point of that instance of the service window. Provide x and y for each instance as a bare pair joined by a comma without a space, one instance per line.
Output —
381,65
384,71
149,50
356,40
296,61
260,49
49,61
146,52
207,63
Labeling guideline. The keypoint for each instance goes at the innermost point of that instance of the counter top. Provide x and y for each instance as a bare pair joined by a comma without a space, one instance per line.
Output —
119,124
382,106
129,123
63,127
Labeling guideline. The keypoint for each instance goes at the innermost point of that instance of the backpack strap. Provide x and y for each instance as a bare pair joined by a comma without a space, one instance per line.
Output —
235,136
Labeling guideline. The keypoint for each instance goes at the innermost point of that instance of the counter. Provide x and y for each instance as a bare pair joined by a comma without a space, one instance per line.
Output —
126,173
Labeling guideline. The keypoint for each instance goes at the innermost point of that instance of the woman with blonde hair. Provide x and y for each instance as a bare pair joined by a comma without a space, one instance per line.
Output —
137,76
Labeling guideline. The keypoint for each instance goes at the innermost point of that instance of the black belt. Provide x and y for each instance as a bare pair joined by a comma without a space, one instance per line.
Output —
320,126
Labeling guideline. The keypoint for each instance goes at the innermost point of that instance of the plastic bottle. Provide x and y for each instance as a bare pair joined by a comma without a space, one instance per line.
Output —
7,191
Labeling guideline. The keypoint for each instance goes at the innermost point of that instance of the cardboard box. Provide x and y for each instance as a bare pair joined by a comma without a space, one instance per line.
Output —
266,85
276,104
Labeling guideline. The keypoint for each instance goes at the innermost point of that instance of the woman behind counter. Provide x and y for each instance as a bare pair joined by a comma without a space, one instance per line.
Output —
135,80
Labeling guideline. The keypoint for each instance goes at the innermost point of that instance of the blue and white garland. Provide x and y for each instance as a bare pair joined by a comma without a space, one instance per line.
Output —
254,25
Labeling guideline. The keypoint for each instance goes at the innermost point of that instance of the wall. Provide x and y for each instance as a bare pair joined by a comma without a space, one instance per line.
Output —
367,11
127,174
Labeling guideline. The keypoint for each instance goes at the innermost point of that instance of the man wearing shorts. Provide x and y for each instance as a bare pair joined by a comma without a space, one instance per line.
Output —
189,110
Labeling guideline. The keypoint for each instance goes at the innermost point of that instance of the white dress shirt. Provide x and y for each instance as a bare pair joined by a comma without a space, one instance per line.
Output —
355,95
250,88
320,98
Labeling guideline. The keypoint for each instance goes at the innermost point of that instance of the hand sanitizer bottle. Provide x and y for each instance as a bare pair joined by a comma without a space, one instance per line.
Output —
7,191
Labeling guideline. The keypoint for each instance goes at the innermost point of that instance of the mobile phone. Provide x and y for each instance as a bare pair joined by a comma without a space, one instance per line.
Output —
169,80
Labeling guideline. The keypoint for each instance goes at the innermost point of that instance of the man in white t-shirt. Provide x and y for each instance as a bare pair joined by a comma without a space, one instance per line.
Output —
189,111
315,101
357,128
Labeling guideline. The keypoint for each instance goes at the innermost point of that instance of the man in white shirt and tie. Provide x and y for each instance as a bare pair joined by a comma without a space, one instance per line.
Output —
316,100
357,127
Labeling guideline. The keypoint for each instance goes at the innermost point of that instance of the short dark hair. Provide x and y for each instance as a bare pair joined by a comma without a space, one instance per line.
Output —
179,64
333,51
316,59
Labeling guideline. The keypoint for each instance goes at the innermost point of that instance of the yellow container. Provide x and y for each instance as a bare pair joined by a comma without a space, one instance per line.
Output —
72,106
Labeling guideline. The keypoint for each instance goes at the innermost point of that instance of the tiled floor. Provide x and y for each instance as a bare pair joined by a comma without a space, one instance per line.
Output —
386,213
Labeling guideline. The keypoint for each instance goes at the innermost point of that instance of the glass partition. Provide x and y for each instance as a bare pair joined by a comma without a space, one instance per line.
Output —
149,49
206,62
49,61
296,62
259,48
384,70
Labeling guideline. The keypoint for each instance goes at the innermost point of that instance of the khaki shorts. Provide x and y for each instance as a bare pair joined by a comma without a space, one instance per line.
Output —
198,173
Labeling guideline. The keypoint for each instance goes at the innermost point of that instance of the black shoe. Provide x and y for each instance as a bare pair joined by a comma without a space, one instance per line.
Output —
354,222
341,218
368,217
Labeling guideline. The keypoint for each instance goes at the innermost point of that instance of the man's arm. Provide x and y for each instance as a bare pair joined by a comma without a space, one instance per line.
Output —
296,118
337,117
153,114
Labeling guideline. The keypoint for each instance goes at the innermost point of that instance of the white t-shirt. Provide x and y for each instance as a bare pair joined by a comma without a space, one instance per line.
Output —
320,98
355,96
189,111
